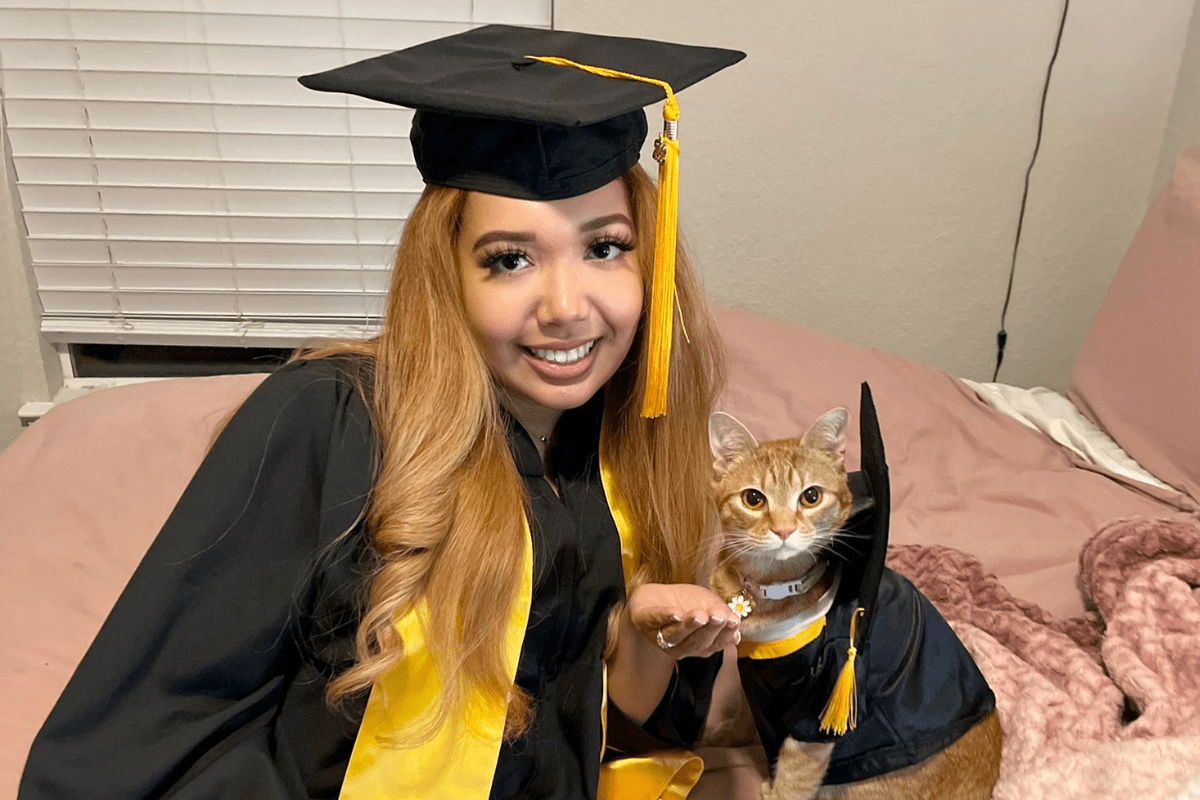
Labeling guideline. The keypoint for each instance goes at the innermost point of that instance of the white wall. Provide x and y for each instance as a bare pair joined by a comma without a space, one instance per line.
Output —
29,369
862,170
1183,123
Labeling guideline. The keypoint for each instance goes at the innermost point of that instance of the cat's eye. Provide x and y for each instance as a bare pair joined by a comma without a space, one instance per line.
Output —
753,499
811,496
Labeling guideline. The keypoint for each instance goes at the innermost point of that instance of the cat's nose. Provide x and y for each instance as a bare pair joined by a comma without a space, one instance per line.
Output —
784,533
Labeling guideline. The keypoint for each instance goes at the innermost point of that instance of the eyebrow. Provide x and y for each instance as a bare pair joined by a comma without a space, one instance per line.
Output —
523,237
502,236
602,222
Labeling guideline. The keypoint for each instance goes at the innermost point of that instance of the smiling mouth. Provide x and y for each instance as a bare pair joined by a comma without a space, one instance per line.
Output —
562,356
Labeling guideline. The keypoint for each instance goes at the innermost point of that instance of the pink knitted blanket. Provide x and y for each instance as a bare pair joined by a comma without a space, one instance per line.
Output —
1103,706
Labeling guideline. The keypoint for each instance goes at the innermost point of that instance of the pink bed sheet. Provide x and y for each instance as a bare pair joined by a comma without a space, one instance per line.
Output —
82,494
84,491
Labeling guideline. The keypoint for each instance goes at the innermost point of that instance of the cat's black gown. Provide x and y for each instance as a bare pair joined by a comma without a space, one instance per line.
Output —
207,679
918,690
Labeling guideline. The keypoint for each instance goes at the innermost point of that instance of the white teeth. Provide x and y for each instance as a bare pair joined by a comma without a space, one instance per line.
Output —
564,356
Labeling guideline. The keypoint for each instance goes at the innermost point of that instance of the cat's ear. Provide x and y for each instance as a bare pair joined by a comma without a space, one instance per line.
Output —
727,437
829,434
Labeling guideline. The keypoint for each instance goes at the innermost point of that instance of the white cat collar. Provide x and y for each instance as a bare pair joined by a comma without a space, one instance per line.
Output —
789,627
782,591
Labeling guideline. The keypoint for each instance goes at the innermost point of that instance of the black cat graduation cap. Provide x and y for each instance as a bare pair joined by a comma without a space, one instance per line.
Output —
544,115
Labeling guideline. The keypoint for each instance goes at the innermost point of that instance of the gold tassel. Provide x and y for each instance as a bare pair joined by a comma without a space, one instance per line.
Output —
662,292
841,712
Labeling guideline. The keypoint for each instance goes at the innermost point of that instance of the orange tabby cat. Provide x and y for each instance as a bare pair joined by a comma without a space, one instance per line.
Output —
783,505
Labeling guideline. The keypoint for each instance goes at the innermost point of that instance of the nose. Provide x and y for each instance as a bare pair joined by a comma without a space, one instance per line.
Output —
784,533
564,296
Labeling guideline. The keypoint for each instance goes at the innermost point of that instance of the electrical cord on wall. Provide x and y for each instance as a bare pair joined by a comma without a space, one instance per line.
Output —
1002,335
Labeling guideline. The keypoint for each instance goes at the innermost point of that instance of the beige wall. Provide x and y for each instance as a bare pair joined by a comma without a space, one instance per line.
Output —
29,370
862,170
1183,123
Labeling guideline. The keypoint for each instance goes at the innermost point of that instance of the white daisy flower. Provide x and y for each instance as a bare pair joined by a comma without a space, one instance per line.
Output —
741,606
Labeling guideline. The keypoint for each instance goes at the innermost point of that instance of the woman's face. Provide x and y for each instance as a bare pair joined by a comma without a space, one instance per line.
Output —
553,292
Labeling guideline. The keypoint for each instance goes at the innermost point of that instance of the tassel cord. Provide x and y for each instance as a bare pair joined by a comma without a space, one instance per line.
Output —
841,712
662,293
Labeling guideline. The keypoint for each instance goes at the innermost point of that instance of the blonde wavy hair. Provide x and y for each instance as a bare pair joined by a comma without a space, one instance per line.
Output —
447,507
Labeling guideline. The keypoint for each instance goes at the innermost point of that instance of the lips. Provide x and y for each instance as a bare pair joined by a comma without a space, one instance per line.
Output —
557,364
558,356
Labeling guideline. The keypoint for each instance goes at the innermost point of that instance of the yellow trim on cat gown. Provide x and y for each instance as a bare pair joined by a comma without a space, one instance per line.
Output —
784,647
459,761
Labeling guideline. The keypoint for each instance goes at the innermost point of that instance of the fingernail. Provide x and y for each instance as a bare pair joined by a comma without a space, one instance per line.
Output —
676,618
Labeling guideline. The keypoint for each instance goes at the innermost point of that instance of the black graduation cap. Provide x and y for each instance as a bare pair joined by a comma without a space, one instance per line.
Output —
820,702
868,549
491,119
545,115
865,561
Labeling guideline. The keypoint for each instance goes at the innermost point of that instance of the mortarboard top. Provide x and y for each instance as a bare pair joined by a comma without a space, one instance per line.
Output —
491,119
545,115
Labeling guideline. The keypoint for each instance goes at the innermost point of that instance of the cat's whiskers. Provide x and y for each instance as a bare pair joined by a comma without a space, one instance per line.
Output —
781,504
848,538
739,550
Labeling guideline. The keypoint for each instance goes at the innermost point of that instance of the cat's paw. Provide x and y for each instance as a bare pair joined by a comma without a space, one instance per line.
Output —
798,772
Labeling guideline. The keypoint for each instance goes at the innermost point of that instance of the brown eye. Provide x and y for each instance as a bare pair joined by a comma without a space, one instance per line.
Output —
753,499
811,496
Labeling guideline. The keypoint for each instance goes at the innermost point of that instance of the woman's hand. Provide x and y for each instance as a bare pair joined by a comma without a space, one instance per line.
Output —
682,619
693,621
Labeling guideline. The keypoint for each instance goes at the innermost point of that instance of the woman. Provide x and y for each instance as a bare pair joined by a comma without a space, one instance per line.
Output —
447,517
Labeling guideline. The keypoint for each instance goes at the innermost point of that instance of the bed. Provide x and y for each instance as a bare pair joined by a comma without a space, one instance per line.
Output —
1060,535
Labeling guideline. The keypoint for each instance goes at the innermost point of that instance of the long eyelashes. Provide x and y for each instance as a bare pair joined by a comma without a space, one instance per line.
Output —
612,246
505,258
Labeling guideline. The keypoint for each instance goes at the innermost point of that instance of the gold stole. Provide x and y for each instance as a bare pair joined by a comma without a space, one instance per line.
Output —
665,775
459,761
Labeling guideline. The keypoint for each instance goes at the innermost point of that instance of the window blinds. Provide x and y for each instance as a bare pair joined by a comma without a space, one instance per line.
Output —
179,186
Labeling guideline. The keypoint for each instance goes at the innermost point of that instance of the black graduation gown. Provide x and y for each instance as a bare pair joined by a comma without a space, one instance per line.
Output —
207,679
919,690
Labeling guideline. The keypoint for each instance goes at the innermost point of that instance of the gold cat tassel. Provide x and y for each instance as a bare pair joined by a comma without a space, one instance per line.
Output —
841,712
662,292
